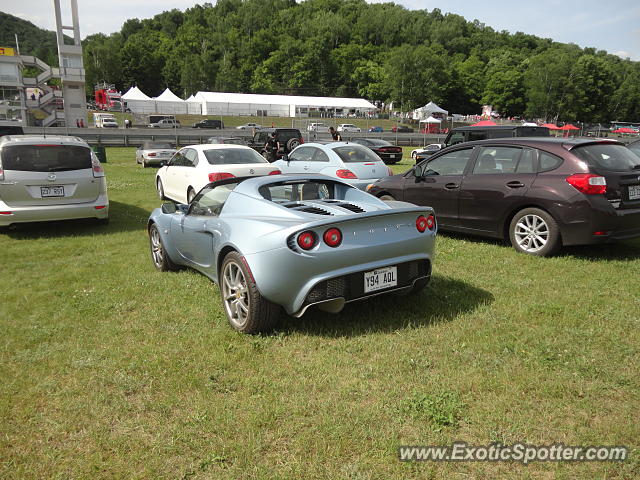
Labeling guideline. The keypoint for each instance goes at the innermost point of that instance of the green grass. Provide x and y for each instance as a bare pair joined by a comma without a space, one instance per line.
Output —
111,369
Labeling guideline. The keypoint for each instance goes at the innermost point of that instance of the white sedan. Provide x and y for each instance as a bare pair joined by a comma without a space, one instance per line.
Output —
350,162
249,126
348,127
195,166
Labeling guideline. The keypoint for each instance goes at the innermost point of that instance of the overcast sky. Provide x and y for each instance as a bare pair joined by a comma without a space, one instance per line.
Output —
605,25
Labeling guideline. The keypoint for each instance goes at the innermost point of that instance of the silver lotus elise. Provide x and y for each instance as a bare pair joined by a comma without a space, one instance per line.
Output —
293,242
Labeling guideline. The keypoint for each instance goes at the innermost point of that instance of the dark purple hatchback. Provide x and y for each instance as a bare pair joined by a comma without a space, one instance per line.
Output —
539,193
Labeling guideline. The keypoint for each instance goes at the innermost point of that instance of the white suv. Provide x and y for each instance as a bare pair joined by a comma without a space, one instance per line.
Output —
50,178
348,127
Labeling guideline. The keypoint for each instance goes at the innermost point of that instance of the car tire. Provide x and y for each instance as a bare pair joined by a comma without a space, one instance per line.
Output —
387,198
413,155
191,193
292,143
159,255
246,309
144,164
160,190
534,232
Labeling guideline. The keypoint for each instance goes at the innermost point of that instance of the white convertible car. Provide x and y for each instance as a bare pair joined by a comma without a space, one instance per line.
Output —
195,166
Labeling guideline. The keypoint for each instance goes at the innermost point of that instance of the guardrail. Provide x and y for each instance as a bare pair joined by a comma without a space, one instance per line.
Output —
132,137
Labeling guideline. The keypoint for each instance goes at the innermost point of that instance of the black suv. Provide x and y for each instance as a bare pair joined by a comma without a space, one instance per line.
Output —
471,134
209,123
288,138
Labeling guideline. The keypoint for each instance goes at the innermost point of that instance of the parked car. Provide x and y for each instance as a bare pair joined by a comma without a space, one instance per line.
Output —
154,153
209,123
50,178
249,126
635,147
9,128
227,140
291,242
401,129
420,154
387,151
165,123
317,127
349,162
348,127
109,123
287,138
376,129
539,193
193,167
471,134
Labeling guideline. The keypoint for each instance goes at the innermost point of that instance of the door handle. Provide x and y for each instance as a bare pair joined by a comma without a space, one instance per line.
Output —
515,184
451,186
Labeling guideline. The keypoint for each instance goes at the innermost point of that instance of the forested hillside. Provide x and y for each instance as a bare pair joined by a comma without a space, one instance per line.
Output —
33,40
381,52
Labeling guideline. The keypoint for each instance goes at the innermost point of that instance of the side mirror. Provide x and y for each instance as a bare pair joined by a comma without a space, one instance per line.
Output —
285,158
169,208
418,172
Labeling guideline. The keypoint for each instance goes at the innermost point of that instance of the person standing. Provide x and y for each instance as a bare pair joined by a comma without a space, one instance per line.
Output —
335,135
271,148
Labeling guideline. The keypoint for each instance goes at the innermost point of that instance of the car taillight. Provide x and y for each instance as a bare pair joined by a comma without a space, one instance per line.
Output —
301,140
1,174
5,213
152,154
216,177
421,223
96,167
588,183
275,172
332,237
344,173
431,222
307,240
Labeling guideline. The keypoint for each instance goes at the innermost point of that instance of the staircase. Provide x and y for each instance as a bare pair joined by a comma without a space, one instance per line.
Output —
47,104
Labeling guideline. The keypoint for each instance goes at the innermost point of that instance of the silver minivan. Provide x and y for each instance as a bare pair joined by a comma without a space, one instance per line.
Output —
45,178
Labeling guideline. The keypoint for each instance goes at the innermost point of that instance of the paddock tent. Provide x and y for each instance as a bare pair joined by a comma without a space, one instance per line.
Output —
169,102
429,110
194,106
138,102
222,103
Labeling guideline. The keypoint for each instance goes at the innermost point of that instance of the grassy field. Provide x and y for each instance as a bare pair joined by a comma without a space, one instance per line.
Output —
112,370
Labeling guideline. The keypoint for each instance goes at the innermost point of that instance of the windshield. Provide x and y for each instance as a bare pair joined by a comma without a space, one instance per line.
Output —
607,156
378,143
152,145
233,156
45,158
356,154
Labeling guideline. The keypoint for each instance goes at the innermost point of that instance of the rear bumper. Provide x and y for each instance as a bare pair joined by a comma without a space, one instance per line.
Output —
49,213
612,224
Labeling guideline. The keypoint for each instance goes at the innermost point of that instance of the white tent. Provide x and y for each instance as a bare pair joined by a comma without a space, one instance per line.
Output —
194,106
168,102
427,111
222,103
138,102
431,119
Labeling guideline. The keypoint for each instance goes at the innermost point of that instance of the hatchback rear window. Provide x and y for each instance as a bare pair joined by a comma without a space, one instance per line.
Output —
356,154
607,156
45,158
233,156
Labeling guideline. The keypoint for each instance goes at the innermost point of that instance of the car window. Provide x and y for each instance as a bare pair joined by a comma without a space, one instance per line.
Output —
302,154
453,163
295,191
473,136
262,137
355,154
45,158
177,160
607,156
526,162
210,201
492,160
156,145
547,162
457,137
233,156
190,158
320,156
635,148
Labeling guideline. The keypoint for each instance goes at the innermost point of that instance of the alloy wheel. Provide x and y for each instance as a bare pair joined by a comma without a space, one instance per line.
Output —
235,294
157,252
531,233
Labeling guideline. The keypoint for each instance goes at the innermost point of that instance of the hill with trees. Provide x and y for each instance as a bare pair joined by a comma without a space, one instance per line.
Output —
382,52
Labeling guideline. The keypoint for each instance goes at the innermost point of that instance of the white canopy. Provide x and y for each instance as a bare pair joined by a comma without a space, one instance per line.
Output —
428,110
134,93
168,96
169,102
431,120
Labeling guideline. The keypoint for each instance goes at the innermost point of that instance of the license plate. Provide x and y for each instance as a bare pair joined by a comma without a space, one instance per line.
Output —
634,192
392,156
53,191
380,279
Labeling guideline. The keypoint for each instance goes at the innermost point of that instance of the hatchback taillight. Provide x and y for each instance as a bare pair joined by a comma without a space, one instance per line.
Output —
332,237
307,240
216,177
96,167
588,183
344,173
